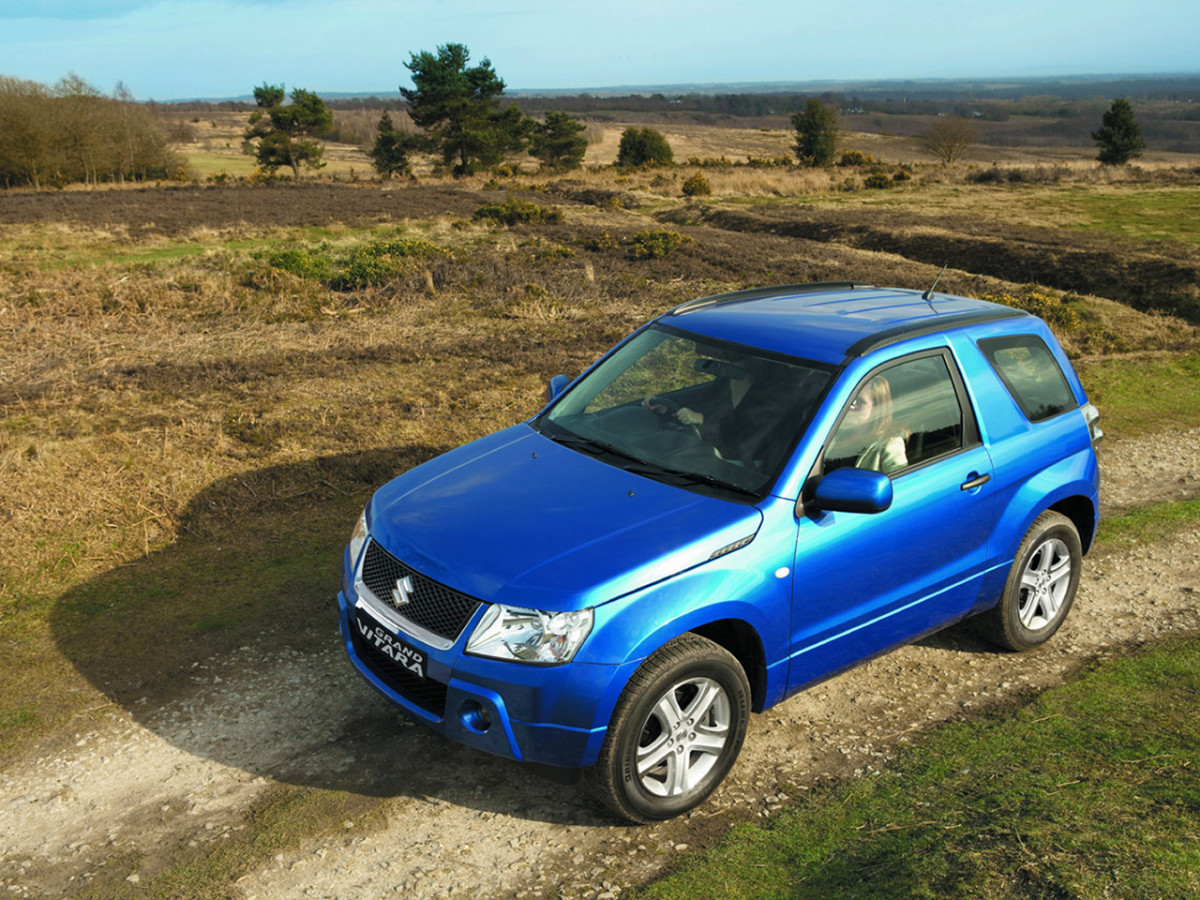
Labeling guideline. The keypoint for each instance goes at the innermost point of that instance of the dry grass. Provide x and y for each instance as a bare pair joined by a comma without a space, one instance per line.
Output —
161,384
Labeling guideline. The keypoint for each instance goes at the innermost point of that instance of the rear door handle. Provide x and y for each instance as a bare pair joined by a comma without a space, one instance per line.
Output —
975,481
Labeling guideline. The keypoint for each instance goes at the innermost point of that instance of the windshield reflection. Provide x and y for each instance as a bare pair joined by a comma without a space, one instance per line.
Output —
691,410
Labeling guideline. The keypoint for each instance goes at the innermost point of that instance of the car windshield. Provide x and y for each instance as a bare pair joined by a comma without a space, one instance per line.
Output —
691,410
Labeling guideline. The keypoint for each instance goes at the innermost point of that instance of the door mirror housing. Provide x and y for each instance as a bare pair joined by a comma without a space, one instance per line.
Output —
854,490
556,386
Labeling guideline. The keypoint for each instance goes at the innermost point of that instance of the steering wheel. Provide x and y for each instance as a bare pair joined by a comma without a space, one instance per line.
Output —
673,406
671,419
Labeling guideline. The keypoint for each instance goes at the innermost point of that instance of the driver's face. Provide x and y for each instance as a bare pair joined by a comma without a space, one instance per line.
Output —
861,407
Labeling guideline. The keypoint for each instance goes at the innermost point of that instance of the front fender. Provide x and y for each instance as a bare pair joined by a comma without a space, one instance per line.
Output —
739,588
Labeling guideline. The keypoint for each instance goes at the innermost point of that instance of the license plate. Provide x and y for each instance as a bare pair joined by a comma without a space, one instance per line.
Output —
402,654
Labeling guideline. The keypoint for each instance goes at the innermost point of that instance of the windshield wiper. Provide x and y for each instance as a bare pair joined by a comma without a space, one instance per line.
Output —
654,470
702,478
643,467
591,445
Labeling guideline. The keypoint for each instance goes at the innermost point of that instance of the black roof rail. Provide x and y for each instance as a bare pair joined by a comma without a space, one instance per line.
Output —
760,293
919,327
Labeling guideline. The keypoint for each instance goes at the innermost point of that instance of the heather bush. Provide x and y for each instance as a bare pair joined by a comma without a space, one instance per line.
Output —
697,186
855,158
380,261
601,243
656,243
309,264
1053,308
514,211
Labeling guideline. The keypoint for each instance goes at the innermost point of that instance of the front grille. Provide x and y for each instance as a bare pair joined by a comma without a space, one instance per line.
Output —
434,607
424,692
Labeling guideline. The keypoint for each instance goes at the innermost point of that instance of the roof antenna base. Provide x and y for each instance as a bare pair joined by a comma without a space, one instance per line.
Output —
928,295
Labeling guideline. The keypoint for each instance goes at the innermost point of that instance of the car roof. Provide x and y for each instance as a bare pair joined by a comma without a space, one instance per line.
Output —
830,322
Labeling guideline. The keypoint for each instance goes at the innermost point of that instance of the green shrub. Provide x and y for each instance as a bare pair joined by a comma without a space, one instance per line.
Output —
365,271
381,261
517,212
644,147
762,162
656,243
604,241
301,263
877,181
1055,309
855,158
710,162
697,186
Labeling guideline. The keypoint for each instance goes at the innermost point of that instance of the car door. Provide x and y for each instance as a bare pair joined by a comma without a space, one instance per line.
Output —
866,582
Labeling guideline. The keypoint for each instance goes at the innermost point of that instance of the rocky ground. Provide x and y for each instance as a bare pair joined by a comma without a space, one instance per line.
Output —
460,824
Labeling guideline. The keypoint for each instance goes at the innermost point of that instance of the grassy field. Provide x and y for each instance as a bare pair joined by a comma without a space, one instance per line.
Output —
202,385
166,344
1090,790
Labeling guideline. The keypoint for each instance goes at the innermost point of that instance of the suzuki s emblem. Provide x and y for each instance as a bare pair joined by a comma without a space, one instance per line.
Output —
402,592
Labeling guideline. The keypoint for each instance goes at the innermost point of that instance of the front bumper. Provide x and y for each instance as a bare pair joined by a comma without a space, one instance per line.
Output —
549,715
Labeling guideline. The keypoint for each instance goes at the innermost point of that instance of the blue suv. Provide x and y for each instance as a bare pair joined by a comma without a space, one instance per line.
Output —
751,493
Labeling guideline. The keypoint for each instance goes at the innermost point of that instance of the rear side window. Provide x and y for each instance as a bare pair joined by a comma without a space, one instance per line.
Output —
1031,374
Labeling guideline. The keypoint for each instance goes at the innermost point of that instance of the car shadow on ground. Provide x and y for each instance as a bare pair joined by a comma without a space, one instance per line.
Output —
225,644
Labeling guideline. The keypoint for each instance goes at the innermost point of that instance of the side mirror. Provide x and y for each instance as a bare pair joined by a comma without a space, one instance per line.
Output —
853,490
556,386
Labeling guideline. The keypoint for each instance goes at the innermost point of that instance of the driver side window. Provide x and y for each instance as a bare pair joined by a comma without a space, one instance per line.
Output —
899,417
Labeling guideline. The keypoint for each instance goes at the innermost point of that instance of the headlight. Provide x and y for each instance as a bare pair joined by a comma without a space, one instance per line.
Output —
1092,416
529,635
358,538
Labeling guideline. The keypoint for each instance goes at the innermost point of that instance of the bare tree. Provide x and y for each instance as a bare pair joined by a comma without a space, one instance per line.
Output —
72,133
948,138
26,138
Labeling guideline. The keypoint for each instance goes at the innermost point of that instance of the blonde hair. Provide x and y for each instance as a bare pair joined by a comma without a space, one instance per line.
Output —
880,390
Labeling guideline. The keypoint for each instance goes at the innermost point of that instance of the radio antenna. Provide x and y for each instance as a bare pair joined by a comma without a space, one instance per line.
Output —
928,295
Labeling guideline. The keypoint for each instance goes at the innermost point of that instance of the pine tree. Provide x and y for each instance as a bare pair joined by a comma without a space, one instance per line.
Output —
281,135
816,133
391,149
559,142
1120,137
459,109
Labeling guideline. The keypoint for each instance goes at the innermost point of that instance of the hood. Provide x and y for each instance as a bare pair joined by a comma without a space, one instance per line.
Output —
516,518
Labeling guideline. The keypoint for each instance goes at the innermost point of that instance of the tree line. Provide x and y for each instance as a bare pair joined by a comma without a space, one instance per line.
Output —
458,108
456,105
71,133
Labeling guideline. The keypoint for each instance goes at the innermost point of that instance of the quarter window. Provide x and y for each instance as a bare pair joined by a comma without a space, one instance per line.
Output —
1031,374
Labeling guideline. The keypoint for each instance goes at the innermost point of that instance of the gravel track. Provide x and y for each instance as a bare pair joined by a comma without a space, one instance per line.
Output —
458,823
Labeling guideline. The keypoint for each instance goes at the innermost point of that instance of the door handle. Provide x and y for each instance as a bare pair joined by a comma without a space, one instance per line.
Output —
975,481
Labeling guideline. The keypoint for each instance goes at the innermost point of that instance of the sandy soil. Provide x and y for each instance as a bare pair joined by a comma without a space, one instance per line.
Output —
465,825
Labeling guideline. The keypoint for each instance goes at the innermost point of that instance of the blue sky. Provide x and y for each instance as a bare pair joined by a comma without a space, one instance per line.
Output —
223,48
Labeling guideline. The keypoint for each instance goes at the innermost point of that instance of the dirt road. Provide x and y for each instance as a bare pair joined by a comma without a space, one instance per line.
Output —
456,823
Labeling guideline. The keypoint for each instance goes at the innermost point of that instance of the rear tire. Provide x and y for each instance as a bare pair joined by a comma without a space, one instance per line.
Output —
1041,585
675,733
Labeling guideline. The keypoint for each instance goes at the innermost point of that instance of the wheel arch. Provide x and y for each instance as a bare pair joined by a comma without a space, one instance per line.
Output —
1082,512
742,640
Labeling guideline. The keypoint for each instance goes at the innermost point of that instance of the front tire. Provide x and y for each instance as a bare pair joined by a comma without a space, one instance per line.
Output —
1041,585
675,733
